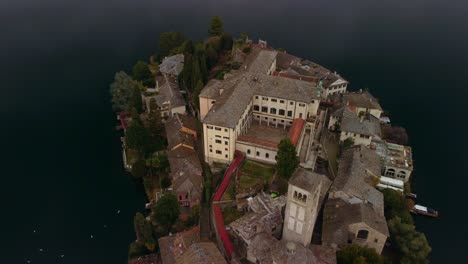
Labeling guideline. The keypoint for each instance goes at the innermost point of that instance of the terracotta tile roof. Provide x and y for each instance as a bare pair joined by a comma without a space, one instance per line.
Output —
296,130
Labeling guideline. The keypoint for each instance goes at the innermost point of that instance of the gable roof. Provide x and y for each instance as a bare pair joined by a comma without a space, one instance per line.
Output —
353,176
368,125
175,136
239,90
175,245
339,215
362,99
172,65
169,92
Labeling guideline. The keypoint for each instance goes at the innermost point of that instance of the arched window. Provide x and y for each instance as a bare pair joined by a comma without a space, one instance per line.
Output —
248,151
267,155
304,198
273,111
401,174
363,234
390,172
256,108
264,109
282,112
295,194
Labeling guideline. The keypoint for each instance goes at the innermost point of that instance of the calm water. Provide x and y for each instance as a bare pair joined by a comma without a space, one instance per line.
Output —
61,165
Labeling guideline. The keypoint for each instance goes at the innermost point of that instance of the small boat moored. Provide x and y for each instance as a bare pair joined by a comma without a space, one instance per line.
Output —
423,210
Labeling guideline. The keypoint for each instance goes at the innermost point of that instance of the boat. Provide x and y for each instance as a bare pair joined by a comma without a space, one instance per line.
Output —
423,210
411,195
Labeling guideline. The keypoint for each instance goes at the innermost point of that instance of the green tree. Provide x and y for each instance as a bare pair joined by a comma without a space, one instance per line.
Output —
211,56
139,169
203,68
165,182
169,41
196,73
196,93
137,102
411,243
347,143
286,159
123,91
166,211
187,71
137,249
216,26
141,72
155,124
354,254
144,231
187,47
226,41
395,205
137,136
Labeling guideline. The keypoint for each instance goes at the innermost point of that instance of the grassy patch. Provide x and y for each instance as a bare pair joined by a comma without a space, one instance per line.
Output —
255,175
259,170
132,156
230,214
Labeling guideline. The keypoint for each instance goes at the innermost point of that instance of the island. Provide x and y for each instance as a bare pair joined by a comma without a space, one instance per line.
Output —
249,154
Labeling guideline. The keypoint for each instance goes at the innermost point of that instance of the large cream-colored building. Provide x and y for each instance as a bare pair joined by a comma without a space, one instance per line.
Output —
251,110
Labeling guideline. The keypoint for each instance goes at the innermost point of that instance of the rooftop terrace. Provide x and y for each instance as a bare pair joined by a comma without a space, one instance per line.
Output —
393,154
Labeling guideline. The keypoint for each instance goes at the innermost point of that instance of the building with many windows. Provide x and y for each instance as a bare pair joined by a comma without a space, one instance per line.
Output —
251,111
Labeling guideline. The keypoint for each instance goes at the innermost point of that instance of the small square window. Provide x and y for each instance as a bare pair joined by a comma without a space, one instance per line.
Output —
225,130
291,103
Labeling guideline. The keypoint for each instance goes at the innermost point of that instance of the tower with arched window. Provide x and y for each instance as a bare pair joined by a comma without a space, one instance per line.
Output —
306,191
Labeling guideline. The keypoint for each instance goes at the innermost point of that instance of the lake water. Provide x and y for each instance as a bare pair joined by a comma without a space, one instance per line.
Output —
61,161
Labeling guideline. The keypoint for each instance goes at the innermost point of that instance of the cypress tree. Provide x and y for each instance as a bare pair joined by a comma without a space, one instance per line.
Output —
196,73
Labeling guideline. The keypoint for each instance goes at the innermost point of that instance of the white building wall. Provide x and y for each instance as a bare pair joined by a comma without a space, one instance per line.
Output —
300,217
397,173
358,140
218,141
179,110
205,106
257,153
375,112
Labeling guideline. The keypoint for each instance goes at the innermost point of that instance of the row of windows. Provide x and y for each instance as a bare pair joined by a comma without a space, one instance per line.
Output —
217,128
338,87
356,135
273,100
220,152
391,173
267,155
273,119
300,197
219,141
272,110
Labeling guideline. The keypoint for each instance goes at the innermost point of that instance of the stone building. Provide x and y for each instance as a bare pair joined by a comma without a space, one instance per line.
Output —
237,111
362,128
354,211
364,102
186,170
261,224
306,192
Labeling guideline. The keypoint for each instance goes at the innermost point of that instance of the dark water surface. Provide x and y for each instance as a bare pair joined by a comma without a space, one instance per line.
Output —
60,156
